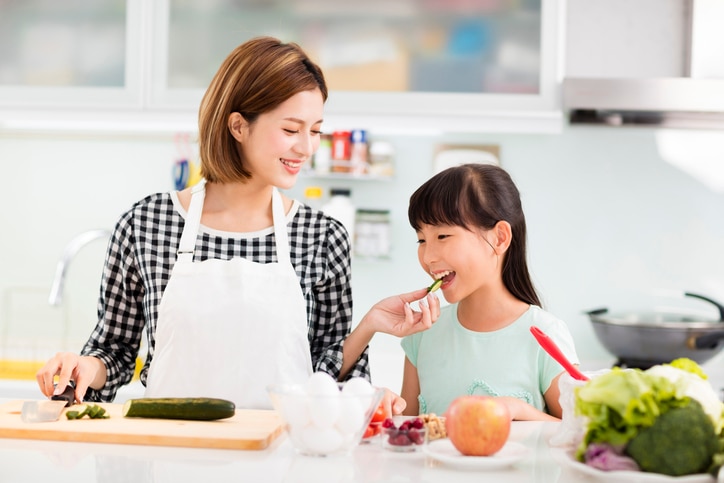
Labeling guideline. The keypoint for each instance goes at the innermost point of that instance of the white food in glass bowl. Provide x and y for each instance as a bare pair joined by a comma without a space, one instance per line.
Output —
324,417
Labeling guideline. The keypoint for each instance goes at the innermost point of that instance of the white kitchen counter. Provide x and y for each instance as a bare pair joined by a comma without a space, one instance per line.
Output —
60,462
23,460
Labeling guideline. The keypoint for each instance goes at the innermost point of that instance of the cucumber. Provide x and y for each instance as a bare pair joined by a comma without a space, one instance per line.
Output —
435,285
189,408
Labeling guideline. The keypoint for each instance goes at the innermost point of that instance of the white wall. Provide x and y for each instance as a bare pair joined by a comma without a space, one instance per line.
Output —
608,220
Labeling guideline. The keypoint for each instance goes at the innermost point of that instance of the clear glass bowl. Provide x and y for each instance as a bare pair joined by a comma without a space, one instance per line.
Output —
322,425
408,434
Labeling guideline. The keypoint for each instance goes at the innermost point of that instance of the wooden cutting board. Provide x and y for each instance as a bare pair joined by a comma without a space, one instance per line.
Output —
247,429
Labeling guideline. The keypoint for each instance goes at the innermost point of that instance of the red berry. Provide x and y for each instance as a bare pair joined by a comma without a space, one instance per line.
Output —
417,423
400,440
388,423
416,436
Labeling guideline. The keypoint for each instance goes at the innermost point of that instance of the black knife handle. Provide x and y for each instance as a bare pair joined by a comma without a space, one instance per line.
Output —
68,395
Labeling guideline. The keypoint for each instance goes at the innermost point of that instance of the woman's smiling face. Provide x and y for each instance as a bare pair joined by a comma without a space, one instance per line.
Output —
281,140
465,258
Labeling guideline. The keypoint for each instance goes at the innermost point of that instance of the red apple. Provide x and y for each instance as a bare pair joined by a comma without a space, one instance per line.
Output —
477,425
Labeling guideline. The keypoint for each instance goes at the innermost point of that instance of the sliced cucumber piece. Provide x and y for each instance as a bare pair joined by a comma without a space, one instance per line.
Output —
435,285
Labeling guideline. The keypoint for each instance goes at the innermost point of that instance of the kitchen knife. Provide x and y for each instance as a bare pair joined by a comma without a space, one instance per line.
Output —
68,395
41,411
45,411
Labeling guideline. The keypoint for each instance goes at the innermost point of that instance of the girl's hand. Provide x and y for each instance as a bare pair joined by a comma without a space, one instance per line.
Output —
392,404
84,370
522,411
394,315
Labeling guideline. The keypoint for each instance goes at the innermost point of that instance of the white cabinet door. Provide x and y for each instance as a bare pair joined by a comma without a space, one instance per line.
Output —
409,64
392,65
85,53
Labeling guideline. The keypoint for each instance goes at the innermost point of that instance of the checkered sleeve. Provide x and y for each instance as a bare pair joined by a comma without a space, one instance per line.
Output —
117,335
331,321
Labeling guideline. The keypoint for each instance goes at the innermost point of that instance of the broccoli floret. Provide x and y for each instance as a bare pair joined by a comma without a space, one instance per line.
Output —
681,441
686,364
716,463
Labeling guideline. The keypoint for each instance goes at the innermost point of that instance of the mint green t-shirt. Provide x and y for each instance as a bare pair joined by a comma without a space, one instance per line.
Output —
453,361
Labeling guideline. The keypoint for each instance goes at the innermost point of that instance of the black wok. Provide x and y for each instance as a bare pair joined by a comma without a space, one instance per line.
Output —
644,339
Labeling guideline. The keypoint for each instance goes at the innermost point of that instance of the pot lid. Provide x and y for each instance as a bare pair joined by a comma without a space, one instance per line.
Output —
656,319
684,319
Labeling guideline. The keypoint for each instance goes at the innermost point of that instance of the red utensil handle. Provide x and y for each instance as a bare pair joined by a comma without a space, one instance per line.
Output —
552,349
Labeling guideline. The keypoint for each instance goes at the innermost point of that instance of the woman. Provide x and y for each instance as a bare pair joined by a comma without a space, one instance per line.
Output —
235,285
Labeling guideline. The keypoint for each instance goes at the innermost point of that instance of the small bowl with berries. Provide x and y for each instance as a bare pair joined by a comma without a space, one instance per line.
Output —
403,433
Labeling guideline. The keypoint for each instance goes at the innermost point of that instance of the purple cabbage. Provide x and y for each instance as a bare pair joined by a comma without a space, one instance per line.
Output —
608,458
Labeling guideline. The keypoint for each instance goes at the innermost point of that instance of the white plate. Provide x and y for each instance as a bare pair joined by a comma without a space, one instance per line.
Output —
443,451
566,459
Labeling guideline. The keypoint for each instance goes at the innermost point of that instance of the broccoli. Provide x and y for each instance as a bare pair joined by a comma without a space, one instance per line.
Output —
716,463
686,364
681,441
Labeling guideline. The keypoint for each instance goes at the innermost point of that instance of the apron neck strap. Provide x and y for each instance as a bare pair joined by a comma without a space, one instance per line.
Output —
280,227
193,221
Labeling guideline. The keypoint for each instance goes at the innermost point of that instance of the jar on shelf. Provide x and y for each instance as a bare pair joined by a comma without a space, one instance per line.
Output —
313,197
381,158
373,234
323,157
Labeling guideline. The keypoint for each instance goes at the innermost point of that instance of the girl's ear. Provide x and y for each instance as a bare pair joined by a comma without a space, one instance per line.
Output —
503,236
238,126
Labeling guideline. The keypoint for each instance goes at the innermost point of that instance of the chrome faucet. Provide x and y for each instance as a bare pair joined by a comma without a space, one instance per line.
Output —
56,291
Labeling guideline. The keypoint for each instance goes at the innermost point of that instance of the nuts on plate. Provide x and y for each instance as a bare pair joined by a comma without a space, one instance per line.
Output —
435,426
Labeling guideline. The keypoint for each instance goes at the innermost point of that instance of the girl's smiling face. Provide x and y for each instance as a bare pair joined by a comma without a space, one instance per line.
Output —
465,259
280,141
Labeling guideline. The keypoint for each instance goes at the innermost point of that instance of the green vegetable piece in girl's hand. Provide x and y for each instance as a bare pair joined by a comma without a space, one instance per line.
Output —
435,285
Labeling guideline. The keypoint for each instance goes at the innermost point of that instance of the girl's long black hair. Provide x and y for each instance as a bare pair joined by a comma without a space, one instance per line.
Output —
478,196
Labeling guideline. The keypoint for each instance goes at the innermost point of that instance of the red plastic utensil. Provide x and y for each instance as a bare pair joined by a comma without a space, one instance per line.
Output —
552,349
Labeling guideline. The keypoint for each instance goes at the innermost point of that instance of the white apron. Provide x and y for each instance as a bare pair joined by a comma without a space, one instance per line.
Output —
229,328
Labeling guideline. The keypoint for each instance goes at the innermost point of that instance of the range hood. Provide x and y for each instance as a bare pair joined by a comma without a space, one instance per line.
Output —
694,100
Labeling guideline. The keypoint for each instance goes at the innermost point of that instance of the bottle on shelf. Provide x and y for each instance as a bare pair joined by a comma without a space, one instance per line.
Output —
341,151
313,197
340,207
323,156
358,152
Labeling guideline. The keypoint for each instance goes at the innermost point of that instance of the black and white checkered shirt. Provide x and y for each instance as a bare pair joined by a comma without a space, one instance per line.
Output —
142,252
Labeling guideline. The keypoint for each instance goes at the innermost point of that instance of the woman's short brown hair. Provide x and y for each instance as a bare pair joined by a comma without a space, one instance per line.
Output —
255,78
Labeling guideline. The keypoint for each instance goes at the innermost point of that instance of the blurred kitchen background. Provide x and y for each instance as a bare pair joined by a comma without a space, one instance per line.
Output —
98,107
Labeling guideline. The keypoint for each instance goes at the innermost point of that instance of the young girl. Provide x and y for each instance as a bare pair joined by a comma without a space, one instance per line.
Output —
235,285
472,235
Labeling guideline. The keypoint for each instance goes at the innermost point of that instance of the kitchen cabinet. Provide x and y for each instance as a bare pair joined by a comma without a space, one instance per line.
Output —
59,55
413,66
638,44
410,66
